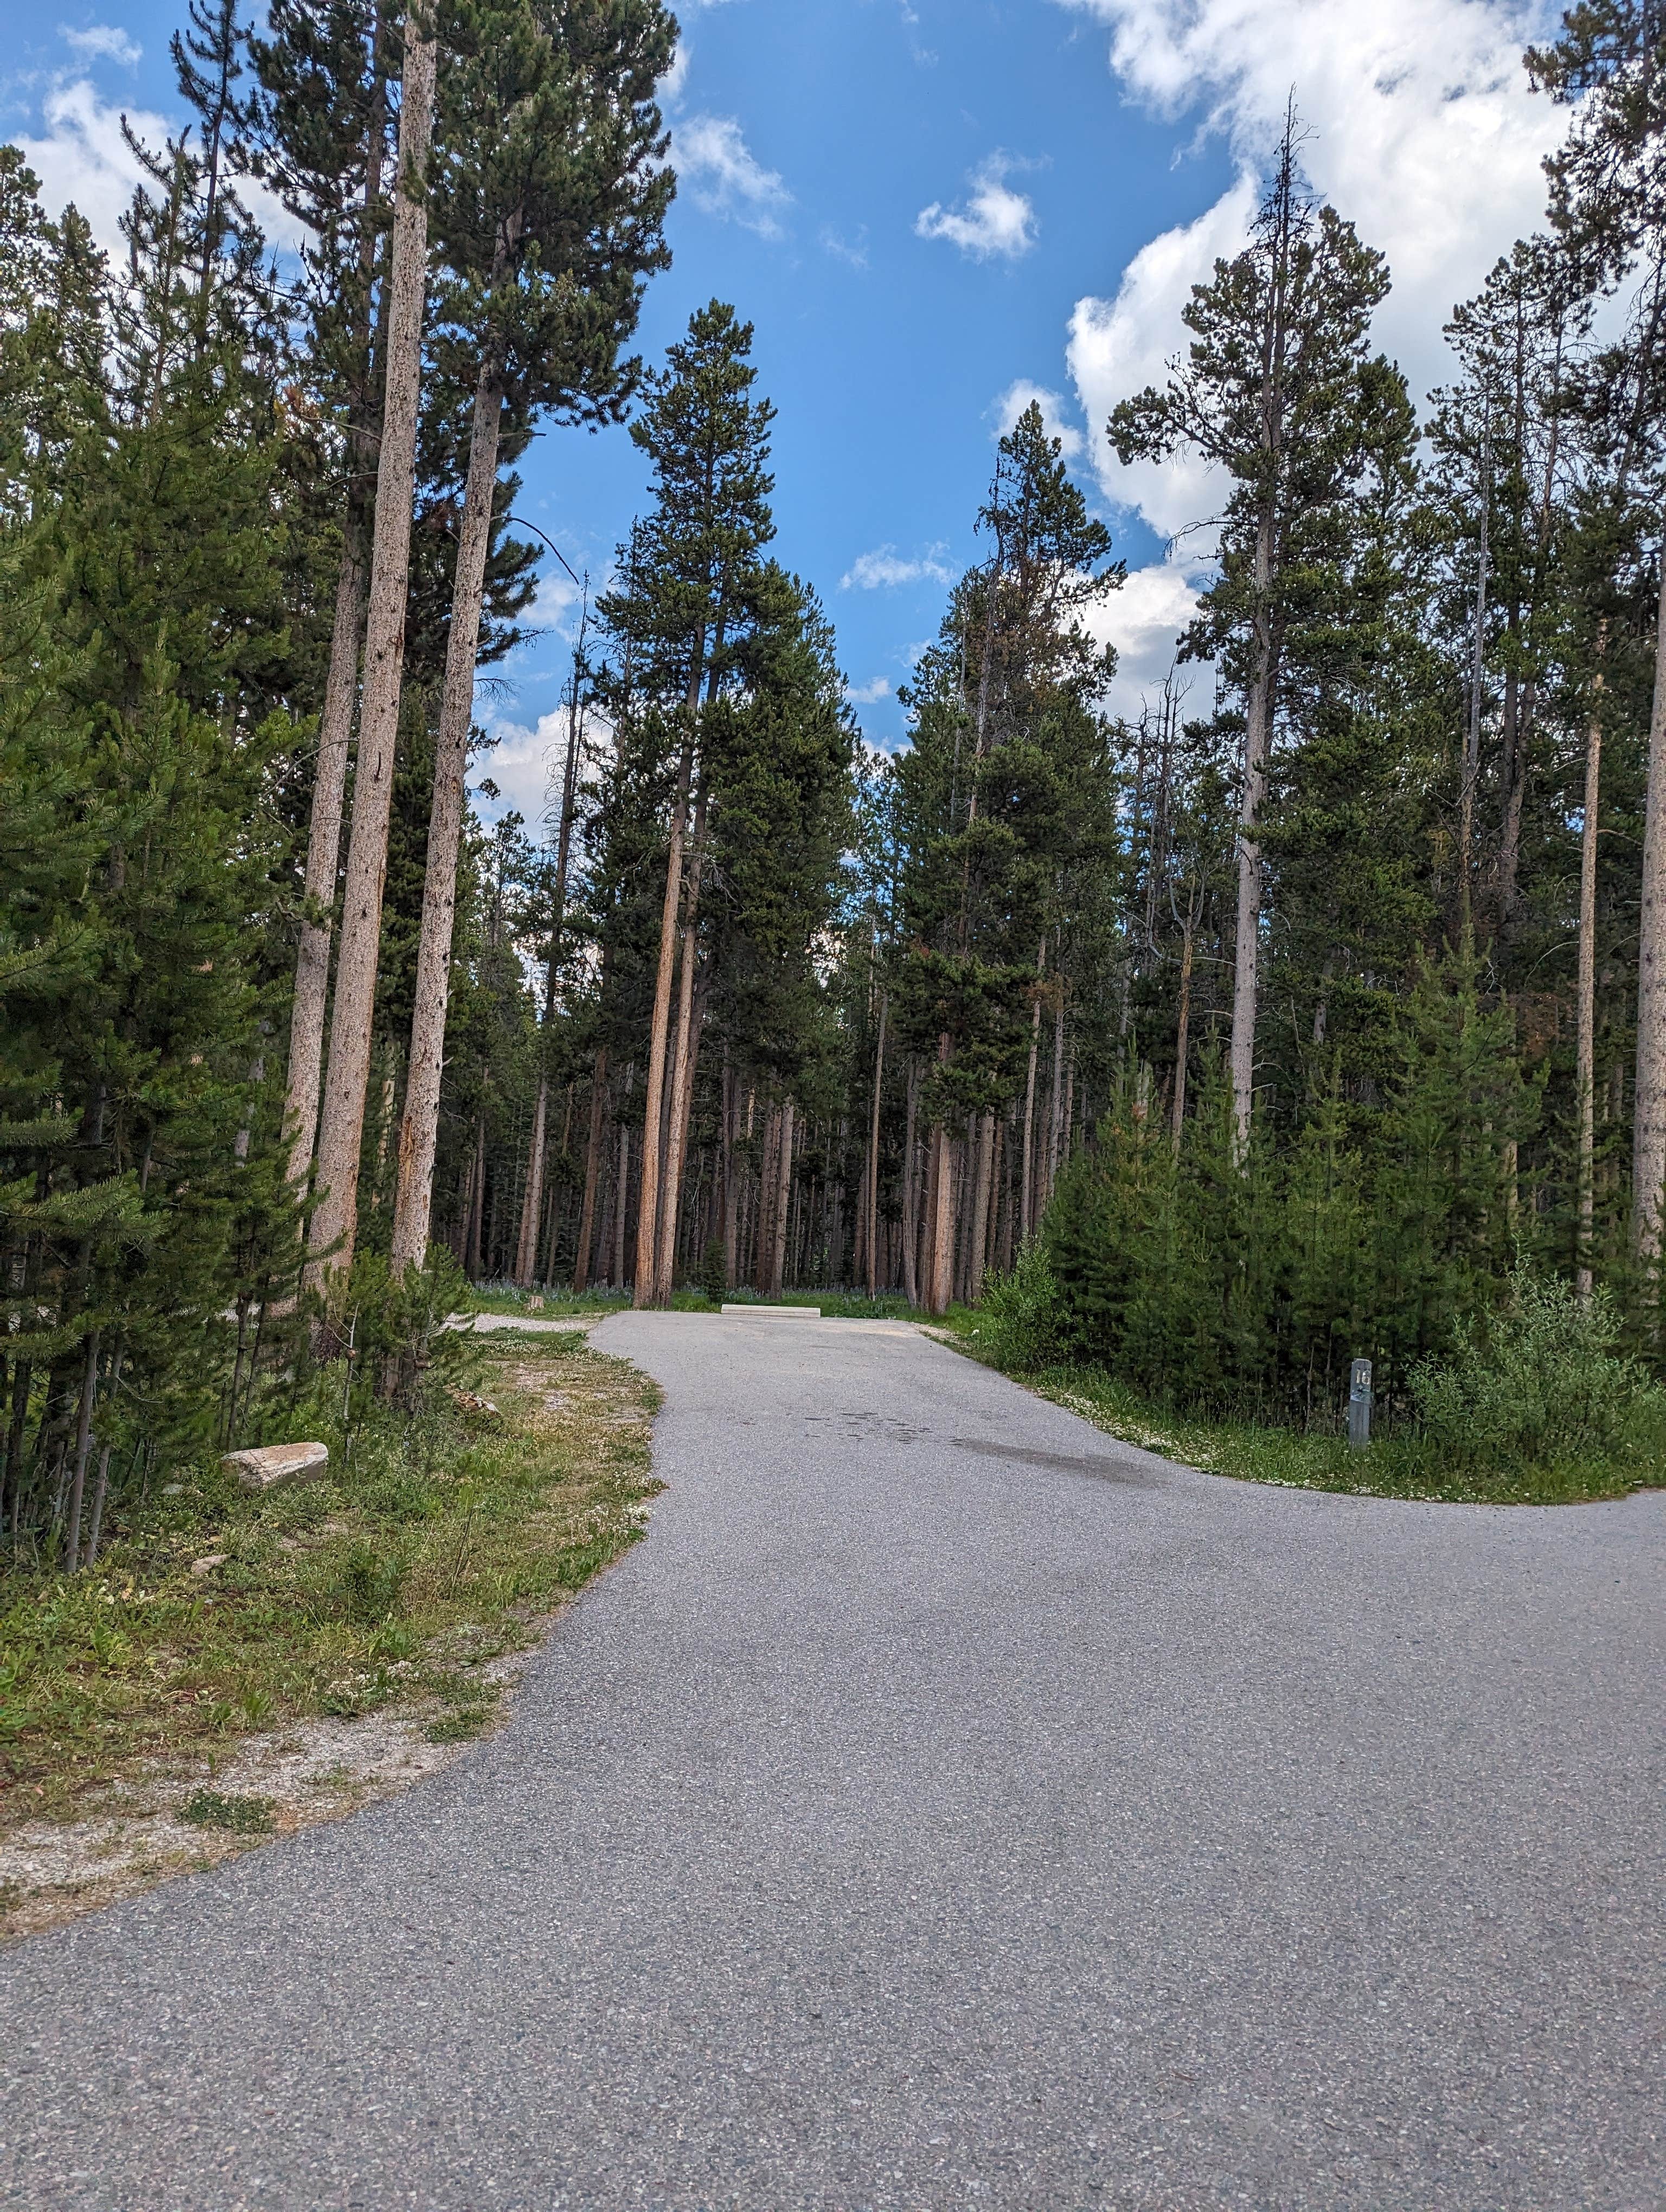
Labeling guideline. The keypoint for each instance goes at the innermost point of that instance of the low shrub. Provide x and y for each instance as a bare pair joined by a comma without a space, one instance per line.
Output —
1021,1323
1539,1383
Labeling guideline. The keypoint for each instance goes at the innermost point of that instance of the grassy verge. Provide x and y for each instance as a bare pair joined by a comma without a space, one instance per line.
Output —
445,1543
1391,1467
835,1305
547,1305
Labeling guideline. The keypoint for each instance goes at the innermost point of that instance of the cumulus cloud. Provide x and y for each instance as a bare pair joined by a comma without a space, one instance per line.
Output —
723,176
995,219
884,568
1023,394
1423,132
869,694
83,157
669,90
1142,621
104,42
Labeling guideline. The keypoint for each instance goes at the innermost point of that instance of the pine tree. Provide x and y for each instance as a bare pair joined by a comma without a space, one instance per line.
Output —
1272,391
548,206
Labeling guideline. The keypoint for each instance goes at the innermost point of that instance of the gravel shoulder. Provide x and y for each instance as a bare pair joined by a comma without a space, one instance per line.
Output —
946,1805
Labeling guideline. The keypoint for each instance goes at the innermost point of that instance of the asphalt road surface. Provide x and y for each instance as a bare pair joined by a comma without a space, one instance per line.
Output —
945,1806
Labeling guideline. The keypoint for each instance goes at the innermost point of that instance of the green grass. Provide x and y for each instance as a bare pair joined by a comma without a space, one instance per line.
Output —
445,1540
1391,1467
556,1304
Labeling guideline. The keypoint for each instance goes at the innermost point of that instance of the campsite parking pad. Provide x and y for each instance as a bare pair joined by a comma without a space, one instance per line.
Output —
945,1806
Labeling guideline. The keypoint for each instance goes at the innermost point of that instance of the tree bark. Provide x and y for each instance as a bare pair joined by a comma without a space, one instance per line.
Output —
659,1033
593,1164
1181,1037
1257,745
1586,1017
324,858
911,1194
419,1130
871,1212
682,1072
782,1199
978,1252
330,1240
942,1273
1649,1146
1027,1178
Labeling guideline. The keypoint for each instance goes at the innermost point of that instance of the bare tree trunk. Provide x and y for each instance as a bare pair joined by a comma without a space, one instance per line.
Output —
593,1164
419,1130
977,1256
1027,1178
912,1195
342,1127
1586,1053
1649,1146
871,1212
1183,1036
1056,1105
471,1242
1257,741
942,1251
783,1201
83,1445
1472,733
341,690
682,1070
323,857
620,1204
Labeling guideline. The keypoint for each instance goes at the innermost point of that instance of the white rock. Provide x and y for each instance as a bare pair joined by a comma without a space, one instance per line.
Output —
267,1465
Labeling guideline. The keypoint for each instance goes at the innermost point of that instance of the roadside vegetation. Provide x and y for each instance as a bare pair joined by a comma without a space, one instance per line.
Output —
1539,1406
447,1532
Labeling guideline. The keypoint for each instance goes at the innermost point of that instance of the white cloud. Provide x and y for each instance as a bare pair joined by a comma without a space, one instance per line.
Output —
996,219
1424,133
723,177
869,694
1018,397
884,568
104,42
1118,346
842,249
669,90
83,157
1143,621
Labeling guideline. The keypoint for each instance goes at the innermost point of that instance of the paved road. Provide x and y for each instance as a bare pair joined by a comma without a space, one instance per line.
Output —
944,1807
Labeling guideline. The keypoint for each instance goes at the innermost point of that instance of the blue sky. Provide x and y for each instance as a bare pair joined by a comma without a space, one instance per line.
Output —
928,207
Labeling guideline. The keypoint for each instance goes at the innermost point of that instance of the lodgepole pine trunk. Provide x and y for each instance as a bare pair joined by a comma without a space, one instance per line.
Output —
1026,1179
871,1211
620,1204
340,691
1586,1019
323,857
912,1195
941,1265
330,1238
1649,1146
681,1077
782,1197
593,1166
1181,1037
978,1252
659,1033
419,1130
1056,1105
1258,732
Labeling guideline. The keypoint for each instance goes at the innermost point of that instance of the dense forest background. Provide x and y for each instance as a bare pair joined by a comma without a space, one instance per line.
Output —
1289,1023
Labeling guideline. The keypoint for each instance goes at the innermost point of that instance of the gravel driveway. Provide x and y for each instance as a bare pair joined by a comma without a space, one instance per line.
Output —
945,1806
